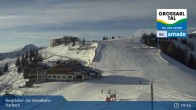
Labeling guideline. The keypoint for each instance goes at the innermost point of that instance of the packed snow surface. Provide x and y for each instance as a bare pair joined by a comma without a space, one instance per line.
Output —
63,52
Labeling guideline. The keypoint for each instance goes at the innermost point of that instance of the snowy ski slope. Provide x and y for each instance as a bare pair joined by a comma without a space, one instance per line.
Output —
128,67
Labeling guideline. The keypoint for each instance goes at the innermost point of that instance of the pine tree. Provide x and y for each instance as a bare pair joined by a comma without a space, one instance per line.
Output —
19,69
170,49
73,41
40,58
30,59
27,55
191,45
83,42
30,53
33,53
23,61
5,68
37,53
1,72
34,59
36,56
103,37
195,64
18,62
26,62
191,61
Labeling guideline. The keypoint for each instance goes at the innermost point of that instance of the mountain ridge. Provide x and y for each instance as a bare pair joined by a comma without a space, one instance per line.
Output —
18,52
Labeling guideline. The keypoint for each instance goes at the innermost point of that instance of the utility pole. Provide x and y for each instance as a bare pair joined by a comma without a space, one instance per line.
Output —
152,98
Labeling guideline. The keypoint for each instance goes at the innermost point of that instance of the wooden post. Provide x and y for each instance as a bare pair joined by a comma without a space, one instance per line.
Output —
152,98
115,95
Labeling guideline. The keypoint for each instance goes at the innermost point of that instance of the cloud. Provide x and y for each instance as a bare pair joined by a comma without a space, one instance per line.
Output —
67,12
58,12
27,21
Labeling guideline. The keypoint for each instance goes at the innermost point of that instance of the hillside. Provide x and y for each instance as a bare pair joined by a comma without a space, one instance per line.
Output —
128,58
128,67
63,52
181,49
10,57
12,81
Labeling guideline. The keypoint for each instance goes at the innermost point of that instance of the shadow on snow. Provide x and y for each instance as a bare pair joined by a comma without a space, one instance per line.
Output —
121,80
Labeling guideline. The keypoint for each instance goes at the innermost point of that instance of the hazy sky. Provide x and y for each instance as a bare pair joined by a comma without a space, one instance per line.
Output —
36,21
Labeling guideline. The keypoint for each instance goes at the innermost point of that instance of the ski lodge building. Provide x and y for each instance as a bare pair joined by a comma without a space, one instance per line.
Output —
60,72
64,40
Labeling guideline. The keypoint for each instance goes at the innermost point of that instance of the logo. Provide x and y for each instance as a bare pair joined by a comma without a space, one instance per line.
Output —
171,23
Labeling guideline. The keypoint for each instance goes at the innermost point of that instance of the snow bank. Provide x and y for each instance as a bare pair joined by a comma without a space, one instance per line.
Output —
69,52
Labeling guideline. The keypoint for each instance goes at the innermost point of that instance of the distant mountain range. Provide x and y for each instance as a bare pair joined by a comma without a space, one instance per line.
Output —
19,52
193,32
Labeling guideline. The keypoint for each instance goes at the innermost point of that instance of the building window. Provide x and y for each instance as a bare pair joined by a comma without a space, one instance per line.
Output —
64,77
70,77
54,76
79,77
58,76
49,76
